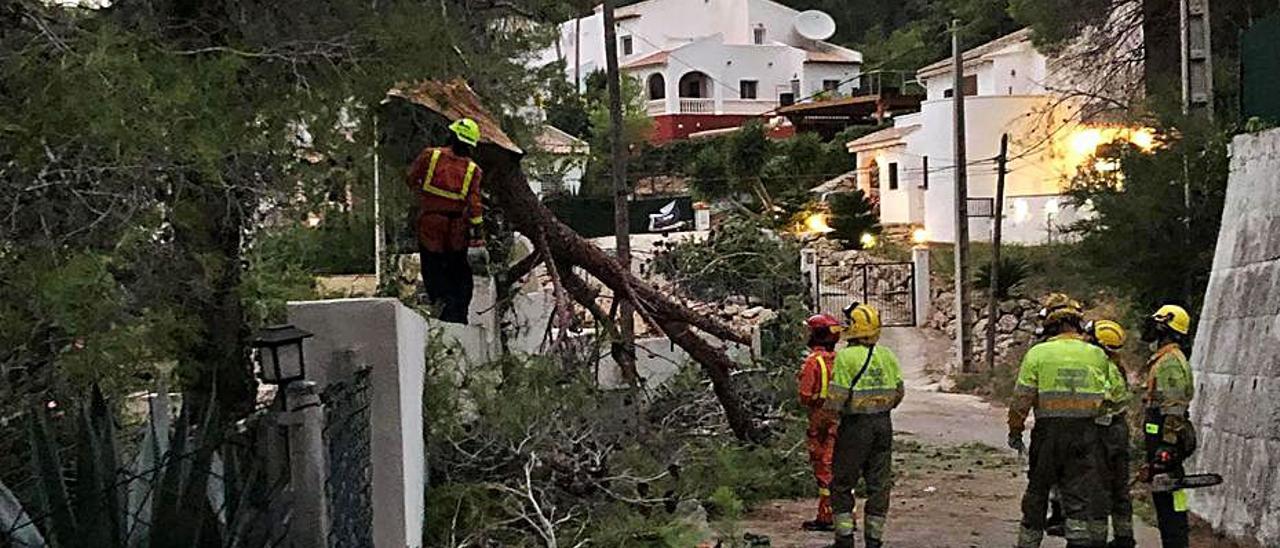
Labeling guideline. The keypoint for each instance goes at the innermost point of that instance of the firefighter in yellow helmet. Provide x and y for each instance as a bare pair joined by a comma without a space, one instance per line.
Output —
1110,336
1170,438
1064,379
446,183
865,387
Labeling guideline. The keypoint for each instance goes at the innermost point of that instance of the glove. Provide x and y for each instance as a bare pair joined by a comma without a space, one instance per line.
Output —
1015,442
478,258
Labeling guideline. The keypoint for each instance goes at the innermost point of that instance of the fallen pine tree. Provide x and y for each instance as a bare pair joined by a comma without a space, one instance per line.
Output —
413,113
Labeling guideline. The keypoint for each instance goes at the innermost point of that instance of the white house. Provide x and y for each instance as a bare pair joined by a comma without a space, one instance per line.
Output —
910,165
708,64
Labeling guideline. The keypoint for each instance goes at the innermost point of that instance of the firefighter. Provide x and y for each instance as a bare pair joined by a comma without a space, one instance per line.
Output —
815,377
1065,380
447,184
1110,336
866,386
1169,436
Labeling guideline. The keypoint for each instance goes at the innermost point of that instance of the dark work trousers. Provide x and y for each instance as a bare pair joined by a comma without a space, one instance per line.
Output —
1066,452
446,278
864,449
1115,444
1171,517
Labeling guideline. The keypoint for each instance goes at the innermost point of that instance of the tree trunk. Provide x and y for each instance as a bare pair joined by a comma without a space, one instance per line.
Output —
506,183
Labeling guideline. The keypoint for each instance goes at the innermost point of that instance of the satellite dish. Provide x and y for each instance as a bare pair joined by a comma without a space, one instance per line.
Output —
815,25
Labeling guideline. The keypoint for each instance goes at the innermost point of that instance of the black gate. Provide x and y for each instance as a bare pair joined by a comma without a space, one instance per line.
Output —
890,287
349,486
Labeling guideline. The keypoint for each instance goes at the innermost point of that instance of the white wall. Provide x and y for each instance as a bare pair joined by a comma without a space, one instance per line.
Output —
1236,408
986,118
771,66
815,73
906,204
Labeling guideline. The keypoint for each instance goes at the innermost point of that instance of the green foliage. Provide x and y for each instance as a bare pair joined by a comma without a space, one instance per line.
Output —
341,244
1013,271
740,257
851,217
1139,240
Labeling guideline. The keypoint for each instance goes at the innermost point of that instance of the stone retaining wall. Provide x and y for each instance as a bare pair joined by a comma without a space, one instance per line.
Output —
1237,352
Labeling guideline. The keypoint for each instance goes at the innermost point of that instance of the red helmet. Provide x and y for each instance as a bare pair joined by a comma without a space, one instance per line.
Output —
821,322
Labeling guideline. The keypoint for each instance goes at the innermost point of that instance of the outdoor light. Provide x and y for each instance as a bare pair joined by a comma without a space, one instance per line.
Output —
279,350
868,240
920,236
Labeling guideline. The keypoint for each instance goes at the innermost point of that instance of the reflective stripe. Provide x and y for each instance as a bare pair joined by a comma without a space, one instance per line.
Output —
1153,428
843,524
1029,538
865,402
477,220
1098,531
1077,531
826,376
1180,500
824,492
874,526
430,188
1068,404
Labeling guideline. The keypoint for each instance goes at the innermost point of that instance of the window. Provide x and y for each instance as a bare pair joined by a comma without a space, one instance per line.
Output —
786,99
657,87
969,85
626,45
831,86
924,167
757,35
747,89
893,175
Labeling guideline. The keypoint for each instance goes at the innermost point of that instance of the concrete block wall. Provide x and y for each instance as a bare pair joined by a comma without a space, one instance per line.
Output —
1237,352
388,337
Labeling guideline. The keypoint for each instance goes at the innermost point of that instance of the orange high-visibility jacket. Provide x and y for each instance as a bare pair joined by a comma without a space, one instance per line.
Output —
448,191
815,376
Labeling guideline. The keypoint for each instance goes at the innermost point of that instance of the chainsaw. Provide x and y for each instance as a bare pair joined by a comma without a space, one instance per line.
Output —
1165,483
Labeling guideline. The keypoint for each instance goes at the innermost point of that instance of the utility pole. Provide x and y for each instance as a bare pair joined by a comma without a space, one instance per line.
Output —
963,314
379,239
1197,87
621,218
993,307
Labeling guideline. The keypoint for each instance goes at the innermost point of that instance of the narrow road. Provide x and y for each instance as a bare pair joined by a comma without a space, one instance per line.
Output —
956,484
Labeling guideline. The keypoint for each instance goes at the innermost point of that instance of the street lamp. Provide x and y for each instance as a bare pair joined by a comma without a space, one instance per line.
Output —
279,349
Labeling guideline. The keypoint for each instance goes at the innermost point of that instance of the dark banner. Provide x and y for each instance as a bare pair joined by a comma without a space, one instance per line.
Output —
593,217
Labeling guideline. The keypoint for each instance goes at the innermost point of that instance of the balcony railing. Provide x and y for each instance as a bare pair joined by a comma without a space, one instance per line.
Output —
690,105
656,107
697,106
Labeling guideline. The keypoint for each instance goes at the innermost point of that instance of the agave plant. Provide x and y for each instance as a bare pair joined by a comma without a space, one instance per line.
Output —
1013,274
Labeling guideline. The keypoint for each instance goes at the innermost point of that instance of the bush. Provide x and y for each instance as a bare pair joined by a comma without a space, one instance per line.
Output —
740,257
341,244
1013,273
851,217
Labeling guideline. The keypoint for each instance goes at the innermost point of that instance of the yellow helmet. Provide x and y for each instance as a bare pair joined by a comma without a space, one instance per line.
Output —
864,322
467,130
1174,317
1058,307
1109,334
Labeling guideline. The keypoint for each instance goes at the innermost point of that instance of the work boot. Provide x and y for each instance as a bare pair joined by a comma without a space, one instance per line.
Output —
1056,526
1122,542
844,542
815,525
873,542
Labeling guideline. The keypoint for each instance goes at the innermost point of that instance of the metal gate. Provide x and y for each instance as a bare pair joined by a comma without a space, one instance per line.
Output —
890,287
350,479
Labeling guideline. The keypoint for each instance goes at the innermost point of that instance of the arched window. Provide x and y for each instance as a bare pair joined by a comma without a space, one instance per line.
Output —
695,85
657,87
